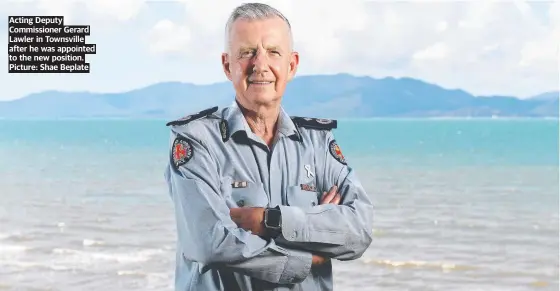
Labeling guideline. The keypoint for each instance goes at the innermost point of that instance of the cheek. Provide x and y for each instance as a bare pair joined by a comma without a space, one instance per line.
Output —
239,73
280,70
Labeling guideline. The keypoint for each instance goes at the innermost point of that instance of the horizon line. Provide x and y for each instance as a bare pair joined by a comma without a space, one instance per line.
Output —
297,77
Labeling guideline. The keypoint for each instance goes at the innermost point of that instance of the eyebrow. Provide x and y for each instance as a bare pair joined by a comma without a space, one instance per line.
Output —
273,48
246,48
249,48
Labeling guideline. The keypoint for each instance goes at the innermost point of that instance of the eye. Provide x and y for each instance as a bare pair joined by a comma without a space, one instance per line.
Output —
276,53
246,54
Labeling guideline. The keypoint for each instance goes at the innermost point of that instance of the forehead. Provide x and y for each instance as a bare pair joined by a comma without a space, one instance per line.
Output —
270,31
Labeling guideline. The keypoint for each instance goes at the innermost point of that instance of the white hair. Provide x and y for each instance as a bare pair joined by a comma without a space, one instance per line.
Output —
254,11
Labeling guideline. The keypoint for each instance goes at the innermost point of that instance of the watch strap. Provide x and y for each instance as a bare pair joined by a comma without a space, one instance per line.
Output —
273,231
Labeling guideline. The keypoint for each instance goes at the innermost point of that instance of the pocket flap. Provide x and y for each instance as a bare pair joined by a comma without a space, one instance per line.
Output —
301,198
253,195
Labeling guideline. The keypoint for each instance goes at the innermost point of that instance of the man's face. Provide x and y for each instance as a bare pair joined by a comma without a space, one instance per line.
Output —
260,62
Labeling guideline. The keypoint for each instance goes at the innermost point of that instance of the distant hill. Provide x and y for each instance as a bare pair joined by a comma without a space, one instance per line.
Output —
547,96
329,96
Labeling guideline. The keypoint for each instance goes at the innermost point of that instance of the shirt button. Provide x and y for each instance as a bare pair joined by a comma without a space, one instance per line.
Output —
241,203
313,203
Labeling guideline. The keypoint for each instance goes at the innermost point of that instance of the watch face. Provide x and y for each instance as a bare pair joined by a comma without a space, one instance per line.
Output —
273,218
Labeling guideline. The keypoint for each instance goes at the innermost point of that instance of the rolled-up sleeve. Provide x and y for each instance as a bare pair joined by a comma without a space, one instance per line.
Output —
343,231
207,234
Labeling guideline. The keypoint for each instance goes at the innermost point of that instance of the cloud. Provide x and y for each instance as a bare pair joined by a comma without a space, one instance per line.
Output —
122,10
542,50
168,37
433,52
483,46
56,8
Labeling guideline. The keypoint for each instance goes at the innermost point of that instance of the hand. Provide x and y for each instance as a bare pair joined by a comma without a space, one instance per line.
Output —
331,197
249,218
318,260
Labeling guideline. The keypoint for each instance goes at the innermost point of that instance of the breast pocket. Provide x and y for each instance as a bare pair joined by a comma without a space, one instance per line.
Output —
253,195
296,196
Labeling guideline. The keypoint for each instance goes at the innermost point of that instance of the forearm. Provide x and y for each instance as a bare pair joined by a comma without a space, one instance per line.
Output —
341,232
208,236
315,231
284,267
270,262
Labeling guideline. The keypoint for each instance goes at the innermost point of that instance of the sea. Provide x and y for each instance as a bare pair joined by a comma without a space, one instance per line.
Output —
460,204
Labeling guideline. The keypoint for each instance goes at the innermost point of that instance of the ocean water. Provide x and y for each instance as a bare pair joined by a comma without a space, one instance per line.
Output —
460,205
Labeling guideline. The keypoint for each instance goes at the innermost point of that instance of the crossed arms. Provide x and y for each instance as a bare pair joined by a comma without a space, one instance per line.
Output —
214,234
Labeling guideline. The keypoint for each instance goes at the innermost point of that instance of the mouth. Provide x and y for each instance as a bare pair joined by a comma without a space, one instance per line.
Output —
260,82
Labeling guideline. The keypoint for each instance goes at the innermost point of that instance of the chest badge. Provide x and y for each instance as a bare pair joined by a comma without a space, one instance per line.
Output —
308,187
239,184
309,173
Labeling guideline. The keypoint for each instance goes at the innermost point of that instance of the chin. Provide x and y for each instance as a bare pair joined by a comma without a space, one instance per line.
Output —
262,97
264,100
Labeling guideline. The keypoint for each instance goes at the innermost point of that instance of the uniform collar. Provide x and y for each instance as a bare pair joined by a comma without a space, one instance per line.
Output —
236,122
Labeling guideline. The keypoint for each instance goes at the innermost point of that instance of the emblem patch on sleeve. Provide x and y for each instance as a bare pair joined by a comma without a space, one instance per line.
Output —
181,152
335,151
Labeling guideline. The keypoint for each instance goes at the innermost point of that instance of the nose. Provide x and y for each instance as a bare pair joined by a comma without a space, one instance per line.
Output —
260,62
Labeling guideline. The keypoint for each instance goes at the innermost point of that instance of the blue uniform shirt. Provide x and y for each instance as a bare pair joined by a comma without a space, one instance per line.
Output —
217,163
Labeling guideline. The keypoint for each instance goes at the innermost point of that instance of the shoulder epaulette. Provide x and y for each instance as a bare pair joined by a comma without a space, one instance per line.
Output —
189,118
315,123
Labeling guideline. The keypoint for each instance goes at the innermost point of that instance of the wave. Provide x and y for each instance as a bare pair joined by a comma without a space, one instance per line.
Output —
87,257
6,249
446,267
90,242
61,259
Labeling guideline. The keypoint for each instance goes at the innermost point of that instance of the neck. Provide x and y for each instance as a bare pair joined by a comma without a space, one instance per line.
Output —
263,121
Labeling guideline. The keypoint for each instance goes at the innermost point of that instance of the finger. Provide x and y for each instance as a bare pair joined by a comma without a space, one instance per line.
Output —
235,213
336,199
234,218
333,190
331,194
236,221
323,197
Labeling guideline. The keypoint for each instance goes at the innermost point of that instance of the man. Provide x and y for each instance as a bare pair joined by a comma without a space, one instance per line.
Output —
245,179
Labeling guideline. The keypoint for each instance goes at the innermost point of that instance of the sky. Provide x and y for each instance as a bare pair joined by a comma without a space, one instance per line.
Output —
483,47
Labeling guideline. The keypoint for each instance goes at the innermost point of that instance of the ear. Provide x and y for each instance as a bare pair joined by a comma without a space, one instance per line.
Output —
294,62
225,65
